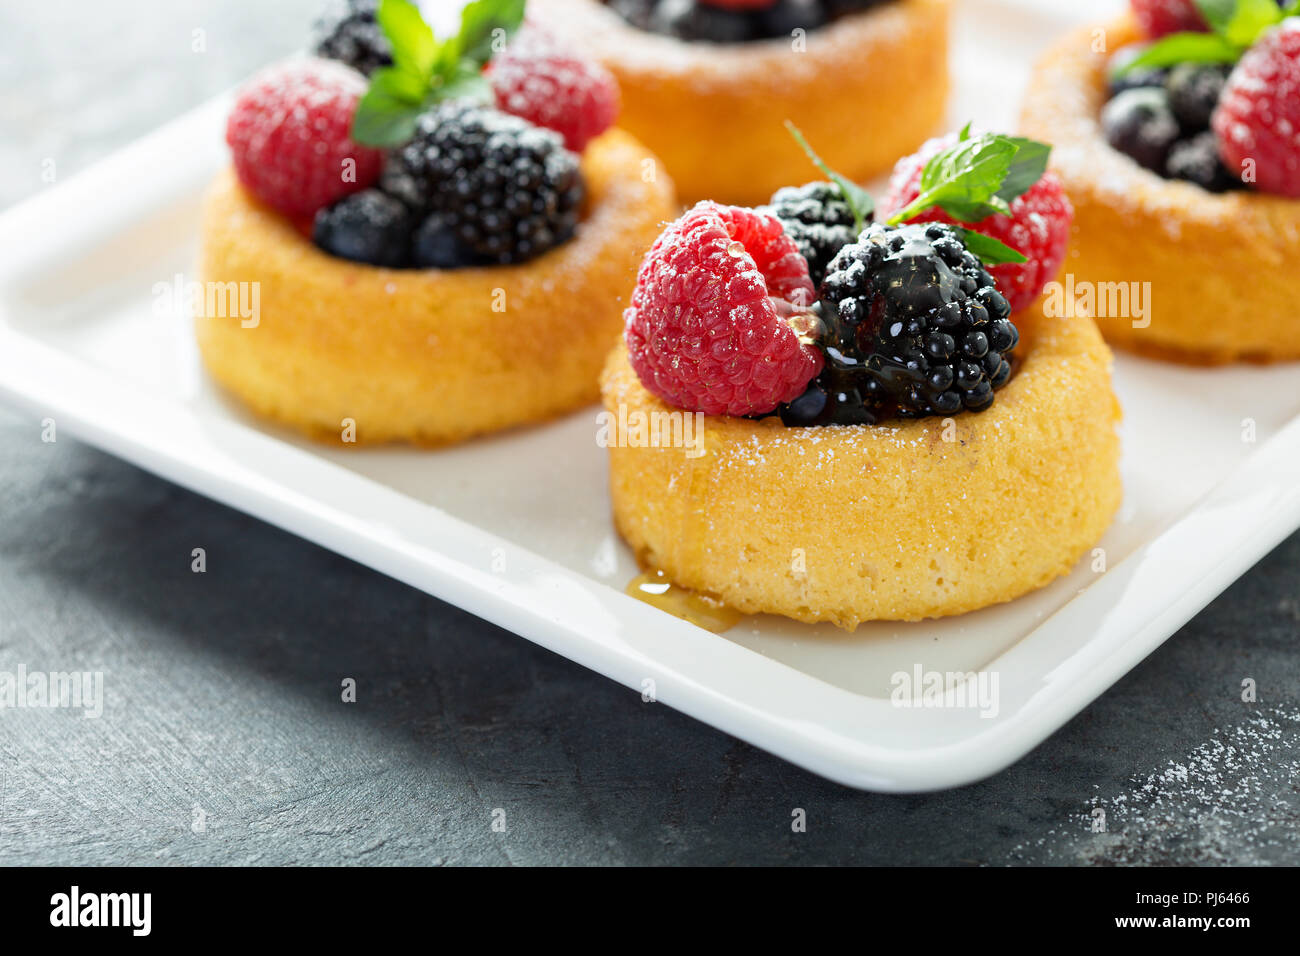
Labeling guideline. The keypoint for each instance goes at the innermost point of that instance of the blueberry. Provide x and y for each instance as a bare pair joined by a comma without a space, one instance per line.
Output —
435,245
1194,90
692,20
368,226
1135,79
1141,124
840,8
807,409
786,16
1197,160
639,13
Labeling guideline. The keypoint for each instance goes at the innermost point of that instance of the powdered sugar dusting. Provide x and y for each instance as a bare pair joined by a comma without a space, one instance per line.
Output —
1231,800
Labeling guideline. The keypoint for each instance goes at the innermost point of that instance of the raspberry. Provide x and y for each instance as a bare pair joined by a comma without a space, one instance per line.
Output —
1038,227
1159,17
709,326
1259,112
288,133
553,87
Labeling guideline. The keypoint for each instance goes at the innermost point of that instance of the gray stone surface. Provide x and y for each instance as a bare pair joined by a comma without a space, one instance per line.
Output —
222,688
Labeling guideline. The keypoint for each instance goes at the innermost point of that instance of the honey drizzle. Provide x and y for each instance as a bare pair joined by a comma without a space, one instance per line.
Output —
654,588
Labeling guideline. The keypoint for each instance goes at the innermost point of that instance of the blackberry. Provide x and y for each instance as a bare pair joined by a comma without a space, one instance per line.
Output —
1197,160
368,226
1141,124
347,31
506,189
819,221
1136,79
1194,90
916,327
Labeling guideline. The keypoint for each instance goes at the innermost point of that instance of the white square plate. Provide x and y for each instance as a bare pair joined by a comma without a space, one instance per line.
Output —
516,528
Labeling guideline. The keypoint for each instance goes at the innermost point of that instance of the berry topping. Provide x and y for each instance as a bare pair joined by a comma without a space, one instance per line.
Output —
436,245
819,221
738,4
1197,160
1160,17
289,135
1036,223
555,88
917,327
347,32
734,21
1194,90
508,190
1141,124
366,227
692,20
1167,94
1258,119
785,16
711,326
1121,79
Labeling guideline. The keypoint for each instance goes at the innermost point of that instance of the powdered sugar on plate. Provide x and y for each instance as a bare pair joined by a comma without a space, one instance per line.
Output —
1232,800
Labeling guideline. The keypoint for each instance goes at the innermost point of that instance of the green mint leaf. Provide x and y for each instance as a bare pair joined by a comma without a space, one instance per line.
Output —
426,72
470,86
1217,13
992,252
414,48
1183,48
1240,22
965,179
1250,20
386,115
973,169
480,22
859,201
1027,167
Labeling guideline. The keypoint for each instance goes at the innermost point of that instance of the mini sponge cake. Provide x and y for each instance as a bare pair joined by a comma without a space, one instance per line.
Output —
1221,268
427,356
865,89
896,521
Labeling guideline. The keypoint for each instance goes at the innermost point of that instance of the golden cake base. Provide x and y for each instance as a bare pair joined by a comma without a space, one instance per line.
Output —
864,90
1220,270
898,521
426,356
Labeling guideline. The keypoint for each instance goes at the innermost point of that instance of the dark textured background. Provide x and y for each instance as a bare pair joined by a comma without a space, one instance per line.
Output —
223,688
